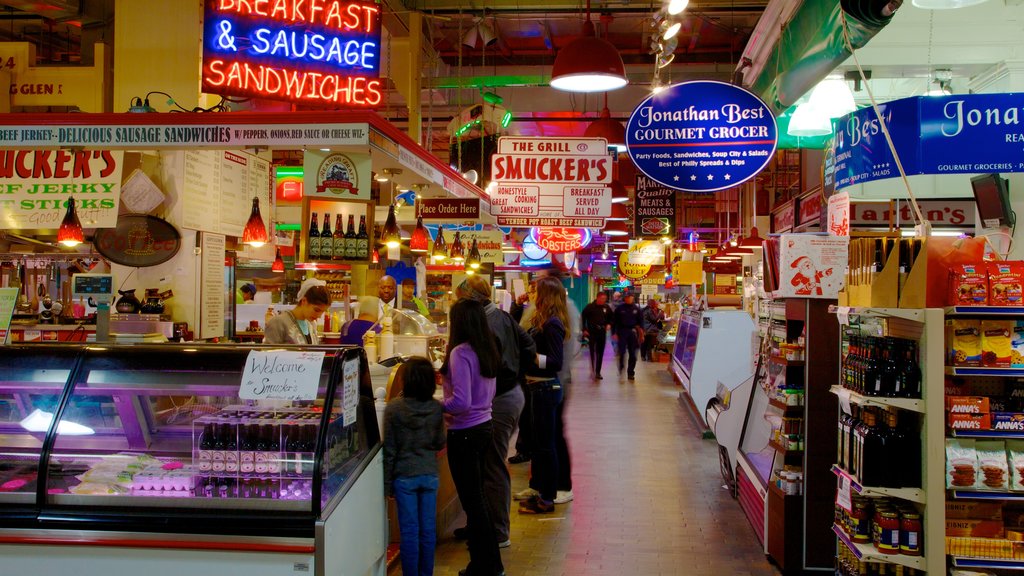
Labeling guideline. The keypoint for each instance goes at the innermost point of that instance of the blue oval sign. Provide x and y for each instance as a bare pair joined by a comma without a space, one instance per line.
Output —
701,136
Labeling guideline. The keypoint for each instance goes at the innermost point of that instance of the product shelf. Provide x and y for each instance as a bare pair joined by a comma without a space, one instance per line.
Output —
912,494
867,553
1001,434
912,404
982,371
959,562
784,362
785,407
912,314
985,311
782,449
986,495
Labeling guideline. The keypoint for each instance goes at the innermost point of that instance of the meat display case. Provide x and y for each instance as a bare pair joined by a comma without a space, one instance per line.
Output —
145,457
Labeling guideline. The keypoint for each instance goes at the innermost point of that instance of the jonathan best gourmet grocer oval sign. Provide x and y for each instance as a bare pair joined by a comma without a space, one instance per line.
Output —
138,241
701,136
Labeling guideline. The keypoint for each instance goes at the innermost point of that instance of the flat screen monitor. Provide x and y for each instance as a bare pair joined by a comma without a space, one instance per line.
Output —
992,195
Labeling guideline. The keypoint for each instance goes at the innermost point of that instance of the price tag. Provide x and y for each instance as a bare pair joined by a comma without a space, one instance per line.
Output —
350,391
844,401
281,375
843,498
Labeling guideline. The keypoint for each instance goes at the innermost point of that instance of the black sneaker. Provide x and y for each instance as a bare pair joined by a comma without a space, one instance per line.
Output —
536,505
461,533
519,458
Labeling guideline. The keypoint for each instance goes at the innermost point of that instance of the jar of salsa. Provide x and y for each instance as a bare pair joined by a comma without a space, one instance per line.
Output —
860,522
910,533
888,531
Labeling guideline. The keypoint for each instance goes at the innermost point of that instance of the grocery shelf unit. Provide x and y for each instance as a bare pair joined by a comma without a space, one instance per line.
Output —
796,526
927,327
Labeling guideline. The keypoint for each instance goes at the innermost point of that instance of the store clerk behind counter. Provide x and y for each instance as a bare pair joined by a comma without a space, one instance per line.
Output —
298,325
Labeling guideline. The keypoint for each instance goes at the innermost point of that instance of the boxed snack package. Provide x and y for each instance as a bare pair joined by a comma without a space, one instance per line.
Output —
975,528
961,463
974,509
965,347
1008,421
969,421
1015,453
996,343
967,404
968,285
1005,283
995,473
1017,345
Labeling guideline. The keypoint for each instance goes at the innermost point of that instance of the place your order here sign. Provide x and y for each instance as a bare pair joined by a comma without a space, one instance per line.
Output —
551,182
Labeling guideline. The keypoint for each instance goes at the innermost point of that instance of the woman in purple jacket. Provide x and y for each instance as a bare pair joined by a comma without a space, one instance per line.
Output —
469,371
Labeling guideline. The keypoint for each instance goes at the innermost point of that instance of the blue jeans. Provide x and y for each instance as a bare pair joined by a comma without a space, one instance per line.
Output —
416,499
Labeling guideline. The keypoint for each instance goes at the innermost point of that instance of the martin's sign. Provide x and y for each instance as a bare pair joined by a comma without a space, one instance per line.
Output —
952,213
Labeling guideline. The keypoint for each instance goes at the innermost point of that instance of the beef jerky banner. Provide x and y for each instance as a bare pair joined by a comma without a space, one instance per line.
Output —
654,213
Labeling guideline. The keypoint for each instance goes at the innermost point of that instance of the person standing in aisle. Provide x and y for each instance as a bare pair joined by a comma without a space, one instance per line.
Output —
627,330
596,320
548,328
654,321
413,433
469,371
521,312
298,325
517,351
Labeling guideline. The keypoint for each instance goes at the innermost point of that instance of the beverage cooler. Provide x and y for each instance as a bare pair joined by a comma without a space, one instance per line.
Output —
132,459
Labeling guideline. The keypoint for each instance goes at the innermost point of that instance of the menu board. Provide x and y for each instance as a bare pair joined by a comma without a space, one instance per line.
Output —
211,289
219,187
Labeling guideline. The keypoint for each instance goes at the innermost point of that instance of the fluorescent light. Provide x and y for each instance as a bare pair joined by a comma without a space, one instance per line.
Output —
39,421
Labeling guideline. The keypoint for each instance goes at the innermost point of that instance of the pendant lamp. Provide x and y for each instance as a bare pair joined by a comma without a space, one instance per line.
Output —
832,96
278,265
70,232
588,64
611,130
419,242
390,234
473,260
752,242
440,246
615,228
457,254
255,233
807,120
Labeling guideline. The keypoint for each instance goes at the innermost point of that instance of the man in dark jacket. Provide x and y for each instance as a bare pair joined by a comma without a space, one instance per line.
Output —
518,352
596,319
654,321
627,330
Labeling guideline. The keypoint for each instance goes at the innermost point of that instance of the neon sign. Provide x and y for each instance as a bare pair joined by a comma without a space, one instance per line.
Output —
561,240
316,52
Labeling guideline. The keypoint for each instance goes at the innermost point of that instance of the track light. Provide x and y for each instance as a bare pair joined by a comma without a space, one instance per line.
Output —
677,6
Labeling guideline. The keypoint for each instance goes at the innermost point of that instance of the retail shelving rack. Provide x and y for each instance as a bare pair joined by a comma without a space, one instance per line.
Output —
927,327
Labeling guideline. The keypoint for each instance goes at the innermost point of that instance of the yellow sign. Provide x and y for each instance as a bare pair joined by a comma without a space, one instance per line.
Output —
630,270
688,273
80,86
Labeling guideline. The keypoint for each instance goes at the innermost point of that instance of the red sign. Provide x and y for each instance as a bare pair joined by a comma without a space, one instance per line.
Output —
810,209
784,218
447,208
940,213
562,240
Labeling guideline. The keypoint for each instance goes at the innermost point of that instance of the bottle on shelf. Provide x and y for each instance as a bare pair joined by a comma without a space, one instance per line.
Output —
362,240
910,371
351,242
888,370
313,239
871,381
326,239
338,242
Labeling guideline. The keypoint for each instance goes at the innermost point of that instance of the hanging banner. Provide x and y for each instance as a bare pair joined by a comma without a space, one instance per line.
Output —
701,136
324,53
8,300
36,185
839,214
551,182
336,175
654,208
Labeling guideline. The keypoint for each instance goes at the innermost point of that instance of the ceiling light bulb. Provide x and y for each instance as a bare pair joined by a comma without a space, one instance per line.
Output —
672,31
677,6
832,96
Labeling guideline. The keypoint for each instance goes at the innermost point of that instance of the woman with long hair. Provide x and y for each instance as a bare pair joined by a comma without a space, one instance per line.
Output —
548,326
469,371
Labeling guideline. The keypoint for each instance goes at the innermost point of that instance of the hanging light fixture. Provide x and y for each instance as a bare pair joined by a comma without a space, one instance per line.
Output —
473,260
944,4
752,242
255,232
615,228
278,265
677,6
375,256
619,192
807,120
833,98
419,241
588,64
611,130
70,233
457,254
440,246
390,234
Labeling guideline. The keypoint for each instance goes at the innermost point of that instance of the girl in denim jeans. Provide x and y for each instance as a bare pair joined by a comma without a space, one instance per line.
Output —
413,433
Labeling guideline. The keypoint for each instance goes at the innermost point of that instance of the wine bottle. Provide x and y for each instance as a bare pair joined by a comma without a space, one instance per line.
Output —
326,239
313,242
339,239
351,243
872,374
206,449
910,372
246,460
889,369
231,449
274,450
362,240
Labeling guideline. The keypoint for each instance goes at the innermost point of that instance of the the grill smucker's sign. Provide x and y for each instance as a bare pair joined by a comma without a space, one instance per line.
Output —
35,186
701,136
318,52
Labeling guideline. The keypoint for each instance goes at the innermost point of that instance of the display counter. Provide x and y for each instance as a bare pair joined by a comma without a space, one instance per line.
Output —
132,458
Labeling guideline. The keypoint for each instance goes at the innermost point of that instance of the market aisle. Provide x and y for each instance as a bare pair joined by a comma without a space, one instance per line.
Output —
648,494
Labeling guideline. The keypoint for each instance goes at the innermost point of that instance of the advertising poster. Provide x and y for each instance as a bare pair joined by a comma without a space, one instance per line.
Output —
839,214
812,265
336,175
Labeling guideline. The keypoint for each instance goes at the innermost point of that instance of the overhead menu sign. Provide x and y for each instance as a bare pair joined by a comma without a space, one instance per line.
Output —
36,185
219,188
655,208
701,136
551,182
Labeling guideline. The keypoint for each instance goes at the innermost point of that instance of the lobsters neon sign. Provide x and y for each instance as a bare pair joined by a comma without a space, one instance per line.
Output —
562,240
317,52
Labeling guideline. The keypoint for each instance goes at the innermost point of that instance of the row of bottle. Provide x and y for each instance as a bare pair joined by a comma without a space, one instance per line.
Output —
877,366
264,488
891,526
247,448
847,564
322,244
880,449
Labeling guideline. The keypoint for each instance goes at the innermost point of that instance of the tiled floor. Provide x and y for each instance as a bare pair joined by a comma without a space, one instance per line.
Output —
648,495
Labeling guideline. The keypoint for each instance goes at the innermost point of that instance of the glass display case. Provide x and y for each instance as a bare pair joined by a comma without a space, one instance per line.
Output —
158,439
416,335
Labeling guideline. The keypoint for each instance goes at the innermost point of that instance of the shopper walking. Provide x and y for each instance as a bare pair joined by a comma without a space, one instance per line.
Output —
548,328
596,320
517,351
522,311
413,433
654,321
627,330
298,325
469,370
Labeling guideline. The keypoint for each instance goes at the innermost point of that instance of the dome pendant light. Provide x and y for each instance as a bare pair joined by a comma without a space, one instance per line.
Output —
604,127
70,233
255,233
440,246
419,240
588,64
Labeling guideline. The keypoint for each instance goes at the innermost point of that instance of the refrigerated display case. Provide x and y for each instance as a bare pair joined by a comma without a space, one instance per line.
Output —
145,457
